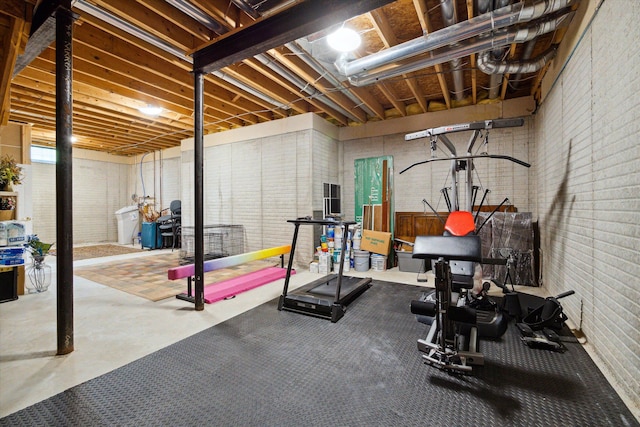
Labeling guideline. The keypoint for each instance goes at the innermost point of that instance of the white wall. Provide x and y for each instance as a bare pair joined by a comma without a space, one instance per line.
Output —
100,187
587,190
260,178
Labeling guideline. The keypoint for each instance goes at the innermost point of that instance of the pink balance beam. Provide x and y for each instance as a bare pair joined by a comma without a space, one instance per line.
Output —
215,264
231,287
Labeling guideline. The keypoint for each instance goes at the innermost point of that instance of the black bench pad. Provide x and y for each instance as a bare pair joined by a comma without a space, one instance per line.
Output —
460,248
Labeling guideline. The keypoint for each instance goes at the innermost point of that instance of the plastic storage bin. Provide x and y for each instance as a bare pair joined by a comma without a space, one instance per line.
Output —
407,263
128,224
150,236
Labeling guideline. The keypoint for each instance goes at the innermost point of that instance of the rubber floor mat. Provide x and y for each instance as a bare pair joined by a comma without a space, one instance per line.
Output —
276,368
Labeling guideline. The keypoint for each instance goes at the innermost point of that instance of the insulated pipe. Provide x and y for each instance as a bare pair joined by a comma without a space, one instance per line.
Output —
496,79
526,54
501,38
518,13
304,87
449,16
488,66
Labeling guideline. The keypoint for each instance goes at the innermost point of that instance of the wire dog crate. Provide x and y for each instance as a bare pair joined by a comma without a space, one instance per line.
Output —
220,240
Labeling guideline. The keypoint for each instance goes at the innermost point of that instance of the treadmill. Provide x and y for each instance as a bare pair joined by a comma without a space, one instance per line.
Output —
328,296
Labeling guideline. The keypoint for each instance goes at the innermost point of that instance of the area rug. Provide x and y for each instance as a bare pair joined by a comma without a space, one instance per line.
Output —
146,277
99,251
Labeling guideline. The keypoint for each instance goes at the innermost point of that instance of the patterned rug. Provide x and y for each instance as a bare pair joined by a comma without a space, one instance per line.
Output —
99,251
146,277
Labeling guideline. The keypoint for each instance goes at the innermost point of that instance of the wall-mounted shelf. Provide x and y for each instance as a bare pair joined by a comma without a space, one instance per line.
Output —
14,194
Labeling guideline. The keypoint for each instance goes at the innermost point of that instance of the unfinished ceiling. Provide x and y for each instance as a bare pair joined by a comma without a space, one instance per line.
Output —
417,56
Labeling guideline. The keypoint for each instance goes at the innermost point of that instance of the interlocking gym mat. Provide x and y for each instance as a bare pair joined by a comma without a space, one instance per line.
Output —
272,368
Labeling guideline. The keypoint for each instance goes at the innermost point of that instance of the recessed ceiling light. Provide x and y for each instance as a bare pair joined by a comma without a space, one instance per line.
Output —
74,139
150,110
344,39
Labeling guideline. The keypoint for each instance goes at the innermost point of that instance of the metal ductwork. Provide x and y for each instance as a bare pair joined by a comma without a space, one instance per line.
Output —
487,65
496,54
302,85
498,39
493,22
117,22
526,54
450,17
265,59
197,14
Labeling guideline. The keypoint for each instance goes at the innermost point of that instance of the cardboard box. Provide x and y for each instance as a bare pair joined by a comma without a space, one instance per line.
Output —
378,242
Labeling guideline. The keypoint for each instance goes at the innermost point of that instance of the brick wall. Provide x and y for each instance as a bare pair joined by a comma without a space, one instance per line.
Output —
99,189
587,177
261,183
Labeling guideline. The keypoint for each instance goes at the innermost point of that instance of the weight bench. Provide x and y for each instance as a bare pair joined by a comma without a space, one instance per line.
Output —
452,341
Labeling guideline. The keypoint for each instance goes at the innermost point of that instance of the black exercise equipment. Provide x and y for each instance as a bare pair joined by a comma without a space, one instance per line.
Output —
458,317
315,298
548,315
540,326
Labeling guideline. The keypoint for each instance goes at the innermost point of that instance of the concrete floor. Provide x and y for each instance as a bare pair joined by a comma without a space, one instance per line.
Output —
111,329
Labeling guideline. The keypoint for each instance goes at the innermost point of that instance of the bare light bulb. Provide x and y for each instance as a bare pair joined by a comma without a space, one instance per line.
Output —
344,39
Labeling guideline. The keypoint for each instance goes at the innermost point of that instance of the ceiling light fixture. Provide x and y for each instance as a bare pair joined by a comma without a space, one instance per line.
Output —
150,110
344,39
74,139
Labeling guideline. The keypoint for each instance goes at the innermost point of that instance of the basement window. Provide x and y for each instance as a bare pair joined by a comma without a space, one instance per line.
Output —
43,154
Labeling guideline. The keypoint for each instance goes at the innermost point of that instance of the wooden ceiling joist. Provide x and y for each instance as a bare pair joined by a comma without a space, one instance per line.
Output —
116,70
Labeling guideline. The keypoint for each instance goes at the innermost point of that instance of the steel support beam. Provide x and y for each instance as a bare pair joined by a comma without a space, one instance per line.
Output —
64,182
198,162
276,30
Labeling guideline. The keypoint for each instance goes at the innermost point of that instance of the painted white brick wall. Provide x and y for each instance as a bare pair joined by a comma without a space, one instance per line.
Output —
44,201
170,182
261,183
99,189
588,191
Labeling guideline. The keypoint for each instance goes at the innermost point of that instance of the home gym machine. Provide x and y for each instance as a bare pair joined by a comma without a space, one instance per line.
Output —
327,297
458,316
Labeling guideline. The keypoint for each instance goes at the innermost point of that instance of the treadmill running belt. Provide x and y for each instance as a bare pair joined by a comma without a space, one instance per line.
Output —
349,284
